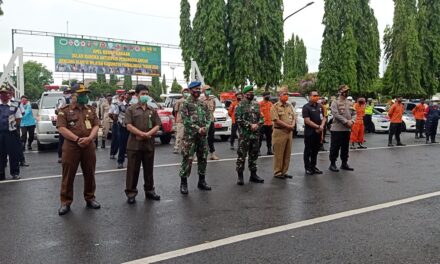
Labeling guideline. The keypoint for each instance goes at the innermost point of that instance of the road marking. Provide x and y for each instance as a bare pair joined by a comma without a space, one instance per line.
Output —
209,161
274,230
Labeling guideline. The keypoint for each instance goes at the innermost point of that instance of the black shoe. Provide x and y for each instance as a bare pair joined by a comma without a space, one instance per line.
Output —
202,185
288,176
434,142
390,145
322,149
93,204
103,144
24,164
259,153
240,180
60,160
345,166
131,200
15,177
324,142
112,157
427,142
421,136
120,165
269,153
333,168
400,144
184,186
309,172
232,147
64,209
361,147
255,178
152,195
29,147
316,171
2,177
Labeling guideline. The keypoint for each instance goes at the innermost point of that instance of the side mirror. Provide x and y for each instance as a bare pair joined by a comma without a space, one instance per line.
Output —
34,106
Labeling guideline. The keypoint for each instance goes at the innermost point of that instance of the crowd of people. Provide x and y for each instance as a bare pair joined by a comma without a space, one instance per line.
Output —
134,124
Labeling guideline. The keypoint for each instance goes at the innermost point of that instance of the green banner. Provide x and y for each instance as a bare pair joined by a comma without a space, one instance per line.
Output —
106,57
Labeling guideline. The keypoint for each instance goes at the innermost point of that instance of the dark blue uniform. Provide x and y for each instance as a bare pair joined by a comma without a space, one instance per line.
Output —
9,140
432,122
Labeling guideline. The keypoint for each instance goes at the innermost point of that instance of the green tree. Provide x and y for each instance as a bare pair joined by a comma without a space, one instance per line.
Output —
156,88
429,37
176,87
1,11
70,82
113,80
210,49
186,36
36,75
295,59
269,41
164,85
100,78
101,89
404,51
128,82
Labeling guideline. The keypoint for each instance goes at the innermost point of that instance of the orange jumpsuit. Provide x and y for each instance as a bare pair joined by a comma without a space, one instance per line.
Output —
357,130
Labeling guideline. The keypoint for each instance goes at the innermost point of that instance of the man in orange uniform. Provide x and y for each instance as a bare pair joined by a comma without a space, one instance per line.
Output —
357,130
231,112
395,113
266,129
419,115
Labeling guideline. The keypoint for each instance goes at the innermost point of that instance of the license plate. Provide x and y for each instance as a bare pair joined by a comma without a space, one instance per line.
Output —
218,125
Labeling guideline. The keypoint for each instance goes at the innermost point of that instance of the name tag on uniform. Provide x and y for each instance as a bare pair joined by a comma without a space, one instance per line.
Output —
88,124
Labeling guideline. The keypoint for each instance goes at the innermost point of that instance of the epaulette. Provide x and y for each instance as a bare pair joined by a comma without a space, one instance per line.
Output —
65,106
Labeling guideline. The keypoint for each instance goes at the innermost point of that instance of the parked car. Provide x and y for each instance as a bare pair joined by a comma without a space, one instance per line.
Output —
381,122
299,102
409,122
46,130
166,117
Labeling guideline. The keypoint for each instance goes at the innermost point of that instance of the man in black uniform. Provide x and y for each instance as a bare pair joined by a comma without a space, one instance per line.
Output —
314,120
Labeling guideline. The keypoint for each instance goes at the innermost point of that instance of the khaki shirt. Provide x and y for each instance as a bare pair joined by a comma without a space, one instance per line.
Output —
144,120
177,106
210,102
342,111
283,112
79,121
103,109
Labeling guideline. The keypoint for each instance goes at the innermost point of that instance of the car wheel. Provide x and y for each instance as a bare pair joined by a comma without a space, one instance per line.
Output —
40,146
373,128
224,137
165,139
403,127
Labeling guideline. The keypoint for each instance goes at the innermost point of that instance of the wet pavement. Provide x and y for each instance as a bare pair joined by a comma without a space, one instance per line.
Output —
32,232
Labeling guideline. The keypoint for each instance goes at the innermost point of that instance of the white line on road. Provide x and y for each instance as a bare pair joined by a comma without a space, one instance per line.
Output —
210,161
278,229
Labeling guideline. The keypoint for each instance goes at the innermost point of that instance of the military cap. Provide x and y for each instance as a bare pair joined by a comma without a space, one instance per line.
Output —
283,89
194,84
343,88
4,88
184,89
248,88
80,88
120,91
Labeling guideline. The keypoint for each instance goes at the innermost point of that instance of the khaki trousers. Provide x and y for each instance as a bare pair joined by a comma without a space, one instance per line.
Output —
282,148
180,129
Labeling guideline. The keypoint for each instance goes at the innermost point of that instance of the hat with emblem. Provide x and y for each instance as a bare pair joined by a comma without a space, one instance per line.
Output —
343,88
4,88
194,84
248,88
80,88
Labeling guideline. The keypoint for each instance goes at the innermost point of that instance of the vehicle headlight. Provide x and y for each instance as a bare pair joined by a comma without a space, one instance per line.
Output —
382,120
44,118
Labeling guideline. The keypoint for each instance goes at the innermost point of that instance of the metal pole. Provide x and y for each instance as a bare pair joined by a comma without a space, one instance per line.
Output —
299,10
13,42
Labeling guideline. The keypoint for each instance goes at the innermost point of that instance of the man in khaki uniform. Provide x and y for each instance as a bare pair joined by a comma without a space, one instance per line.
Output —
209,100
143,122
284,119
179,123
79,124
104,116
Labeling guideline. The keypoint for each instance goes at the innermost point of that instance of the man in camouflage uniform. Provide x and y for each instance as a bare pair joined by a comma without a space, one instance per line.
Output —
196,122
249,121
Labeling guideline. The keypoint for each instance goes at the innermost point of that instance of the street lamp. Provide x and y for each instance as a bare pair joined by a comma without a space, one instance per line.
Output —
304,7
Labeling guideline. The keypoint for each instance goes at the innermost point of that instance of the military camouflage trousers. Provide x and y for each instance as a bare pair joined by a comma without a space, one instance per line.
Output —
198,146
246,146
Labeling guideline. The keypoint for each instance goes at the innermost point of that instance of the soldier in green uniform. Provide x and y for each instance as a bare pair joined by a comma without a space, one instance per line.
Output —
196,121
249,121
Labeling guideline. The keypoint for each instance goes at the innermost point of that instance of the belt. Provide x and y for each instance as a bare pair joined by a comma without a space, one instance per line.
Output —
278,128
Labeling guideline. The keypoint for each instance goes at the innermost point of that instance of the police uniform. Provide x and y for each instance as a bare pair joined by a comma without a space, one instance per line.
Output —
9,137
140,150
312,137
20,148
282,138
81,120
59,105
114,147
122,131
106,120
432,117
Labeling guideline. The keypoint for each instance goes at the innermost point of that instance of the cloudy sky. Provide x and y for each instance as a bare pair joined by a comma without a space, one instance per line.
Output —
143,20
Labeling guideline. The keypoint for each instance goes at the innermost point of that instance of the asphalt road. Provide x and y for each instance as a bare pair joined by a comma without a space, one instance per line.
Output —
405,232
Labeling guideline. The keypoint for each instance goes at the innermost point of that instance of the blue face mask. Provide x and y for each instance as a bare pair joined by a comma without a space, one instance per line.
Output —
144,99
133,100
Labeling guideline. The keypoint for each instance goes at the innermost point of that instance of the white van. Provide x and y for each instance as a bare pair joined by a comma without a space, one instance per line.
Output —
46,130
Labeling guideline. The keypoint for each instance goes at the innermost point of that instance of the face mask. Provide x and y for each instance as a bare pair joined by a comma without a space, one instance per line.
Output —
67,96
144,99
196,94
208,92
284,98
24,101
250,97
134,100
4,97
82,99
267,98
345,94
185,95
314,99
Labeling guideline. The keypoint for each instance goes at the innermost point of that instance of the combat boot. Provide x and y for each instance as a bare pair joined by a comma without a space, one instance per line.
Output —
202,185
255,178
345,166
103,144
240,180
183,185
333,167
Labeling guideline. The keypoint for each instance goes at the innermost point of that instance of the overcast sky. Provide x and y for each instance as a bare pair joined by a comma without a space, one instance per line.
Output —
152,21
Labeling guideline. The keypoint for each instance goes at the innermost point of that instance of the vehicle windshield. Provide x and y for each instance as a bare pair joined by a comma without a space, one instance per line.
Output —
218,104
170,101
300,101
153,104
50,101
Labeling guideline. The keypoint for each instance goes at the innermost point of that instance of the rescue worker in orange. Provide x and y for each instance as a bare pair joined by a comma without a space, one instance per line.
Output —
79,124
358,128
395,113
267,128
231,112
419,115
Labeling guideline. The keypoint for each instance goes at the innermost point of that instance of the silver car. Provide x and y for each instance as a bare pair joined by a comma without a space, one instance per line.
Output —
46,131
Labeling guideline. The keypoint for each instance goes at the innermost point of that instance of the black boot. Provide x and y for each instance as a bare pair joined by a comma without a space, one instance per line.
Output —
202,185
345,166
240,180
183,185
255,178
333,167
103,143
